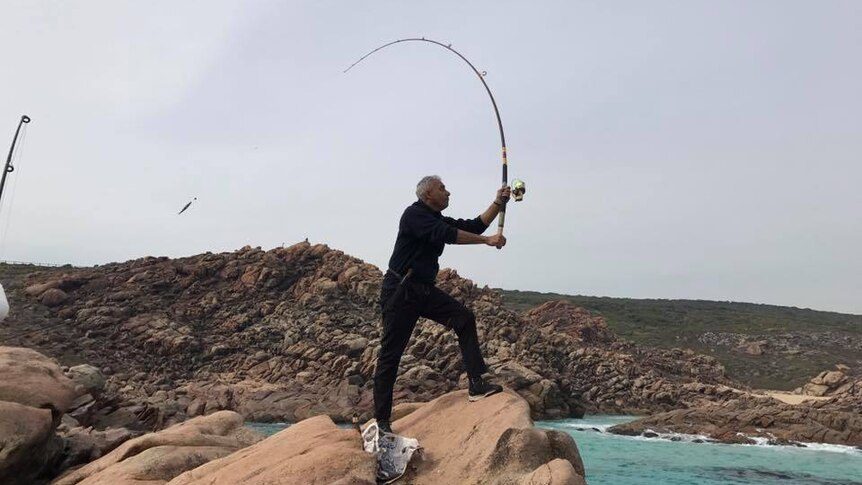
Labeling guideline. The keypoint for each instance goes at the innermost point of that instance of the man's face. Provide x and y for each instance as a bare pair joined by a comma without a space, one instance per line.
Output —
437,196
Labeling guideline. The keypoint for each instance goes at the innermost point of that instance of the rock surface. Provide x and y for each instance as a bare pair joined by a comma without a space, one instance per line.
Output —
847,396
290,333
491,441
740,420
827,383
33,395
313,451
32,379
83,445
29,449
158,457
88,378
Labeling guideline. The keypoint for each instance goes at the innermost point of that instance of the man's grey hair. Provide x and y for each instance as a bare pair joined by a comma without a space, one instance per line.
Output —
425,184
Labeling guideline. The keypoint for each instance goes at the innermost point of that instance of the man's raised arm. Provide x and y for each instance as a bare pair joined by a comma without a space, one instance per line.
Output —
491,212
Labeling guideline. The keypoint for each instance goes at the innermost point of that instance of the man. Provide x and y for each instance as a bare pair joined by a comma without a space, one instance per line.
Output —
408,290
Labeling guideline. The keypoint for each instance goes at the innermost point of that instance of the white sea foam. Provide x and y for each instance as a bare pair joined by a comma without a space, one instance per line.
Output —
687,438
850,450
585,426
588,425
759,441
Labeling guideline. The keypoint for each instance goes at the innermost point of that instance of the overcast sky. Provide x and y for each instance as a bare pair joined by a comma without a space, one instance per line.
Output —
687,149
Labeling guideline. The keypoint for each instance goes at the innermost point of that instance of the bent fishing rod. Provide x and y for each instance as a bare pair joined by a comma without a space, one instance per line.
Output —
518,186
8,168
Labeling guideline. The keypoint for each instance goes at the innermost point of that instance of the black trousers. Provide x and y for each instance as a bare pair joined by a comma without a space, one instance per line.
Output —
401,309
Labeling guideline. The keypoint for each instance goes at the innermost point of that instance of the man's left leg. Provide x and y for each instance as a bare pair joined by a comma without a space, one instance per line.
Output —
448,311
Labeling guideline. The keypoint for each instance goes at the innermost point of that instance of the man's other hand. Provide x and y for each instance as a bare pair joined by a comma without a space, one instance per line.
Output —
503,194
497,240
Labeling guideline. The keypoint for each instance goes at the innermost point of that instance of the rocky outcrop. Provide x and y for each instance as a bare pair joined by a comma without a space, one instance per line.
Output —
33,395
293,332
614,375
32,379
37,440
158,457
313,451
84,444
740,420
745,417
555,317
491,441
847,397
29,449
828,383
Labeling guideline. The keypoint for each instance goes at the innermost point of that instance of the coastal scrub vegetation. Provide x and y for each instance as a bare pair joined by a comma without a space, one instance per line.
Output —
764,346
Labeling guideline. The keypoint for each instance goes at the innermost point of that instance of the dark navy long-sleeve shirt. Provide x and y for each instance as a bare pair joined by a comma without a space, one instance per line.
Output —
422,234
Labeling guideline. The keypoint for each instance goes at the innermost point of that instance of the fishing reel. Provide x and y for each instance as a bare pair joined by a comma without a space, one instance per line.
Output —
519,188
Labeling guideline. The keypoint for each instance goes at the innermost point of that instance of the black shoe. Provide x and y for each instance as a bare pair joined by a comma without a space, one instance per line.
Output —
480,388
385,427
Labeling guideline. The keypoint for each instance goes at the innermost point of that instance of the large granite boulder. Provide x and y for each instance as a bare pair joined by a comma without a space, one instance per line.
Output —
158,457
29,449
313,451
490,441
37,440
32,379
826,383
82,445
33,395
846,398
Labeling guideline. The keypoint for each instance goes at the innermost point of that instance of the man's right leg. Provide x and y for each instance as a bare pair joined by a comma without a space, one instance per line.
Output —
398,324
444,309
449,312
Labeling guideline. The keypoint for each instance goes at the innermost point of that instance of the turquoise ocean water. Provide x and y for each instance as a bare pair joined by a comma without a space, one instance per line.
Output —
623,460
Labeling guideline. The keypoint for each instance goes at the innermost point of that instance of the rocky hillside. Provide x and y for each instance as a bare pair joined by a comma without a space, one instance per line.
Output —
292,332
762,346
